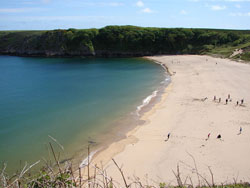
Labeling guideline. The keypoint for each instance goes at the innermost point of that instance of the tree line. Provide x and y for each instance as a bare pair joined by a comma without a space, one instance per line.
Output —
118,41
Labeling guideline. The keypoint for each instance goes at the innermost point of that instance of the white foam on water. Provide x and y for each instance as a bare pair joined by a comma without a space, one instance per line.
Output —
146,101
163,66
167,79
85,161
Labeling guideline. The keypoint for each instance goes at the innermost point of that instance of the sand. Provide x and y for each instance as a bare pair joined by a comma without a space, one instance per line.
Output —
189,117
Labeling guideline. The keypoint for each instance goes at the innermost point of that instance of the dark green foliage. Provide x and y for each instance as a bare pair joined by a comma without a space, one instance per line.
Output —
118,41
61,180
246,56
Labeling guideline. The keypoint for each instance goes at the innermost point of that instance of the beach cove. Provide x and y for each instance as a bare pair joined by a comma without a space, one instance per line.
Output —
193,118
70,101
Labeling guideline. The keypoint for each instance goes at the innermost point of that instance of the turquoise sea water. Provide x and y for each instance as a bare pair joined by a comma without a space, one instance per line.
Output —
71,99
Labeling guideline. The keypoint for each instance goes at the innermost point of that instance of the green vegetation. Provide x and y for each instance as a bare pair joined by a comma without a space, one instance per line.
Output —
246,56
124,41
64,174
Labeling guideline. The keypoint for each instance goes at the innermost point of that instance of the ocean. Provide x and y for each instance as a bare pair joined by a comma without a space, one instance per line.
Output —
75,101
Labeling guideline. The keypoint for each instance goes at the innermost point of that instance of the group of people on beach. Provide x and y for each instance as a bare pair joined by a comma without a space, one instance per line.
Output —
208,136
229,99
219,135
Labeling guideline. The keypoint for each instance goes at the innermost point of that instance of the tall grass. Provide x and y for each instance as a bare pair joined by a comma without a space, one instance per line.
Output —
58,175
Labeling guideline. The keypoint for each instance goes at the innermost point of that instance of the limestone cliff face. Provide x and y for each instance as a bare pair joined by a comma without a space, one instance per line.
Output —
23,51
57,46
107,53
28,49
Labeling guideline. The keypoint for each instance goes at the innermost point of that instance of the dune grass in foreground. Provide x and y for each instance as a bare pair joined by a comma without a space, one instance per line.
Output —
54,174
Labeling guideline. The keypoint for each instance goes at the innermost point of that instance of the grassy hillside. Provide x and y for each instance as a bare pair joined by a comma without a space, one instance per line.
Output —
125,41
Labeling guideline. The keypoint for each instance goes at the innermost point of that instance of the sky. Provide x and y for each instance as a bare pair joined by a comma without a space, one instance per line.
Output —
83,14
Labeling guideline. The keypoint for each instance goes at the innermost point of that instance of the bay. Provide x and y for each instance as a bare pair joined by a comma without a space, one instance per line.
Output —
74,100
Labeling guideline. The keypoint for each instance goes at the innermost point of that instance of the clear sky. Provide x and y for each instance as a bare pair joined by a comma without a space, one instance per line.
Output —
63,14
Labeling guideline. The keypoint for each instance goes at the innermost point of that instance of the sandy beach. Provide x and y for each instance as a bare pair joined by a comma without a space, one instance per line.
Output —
189,113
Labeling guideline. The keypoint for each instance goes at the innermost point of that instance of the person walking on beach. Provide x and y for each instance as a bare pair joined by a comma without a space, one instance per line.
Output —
208,136
242,101
240,130
219,136
204,99
214,98
237,103
226,101
168,137
219,100
228,96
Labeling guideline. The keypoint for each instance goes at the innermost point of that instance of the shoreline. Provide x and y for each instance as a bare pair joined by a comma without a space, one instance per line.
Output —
76,148
103,155
147,104
141,120
130,149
